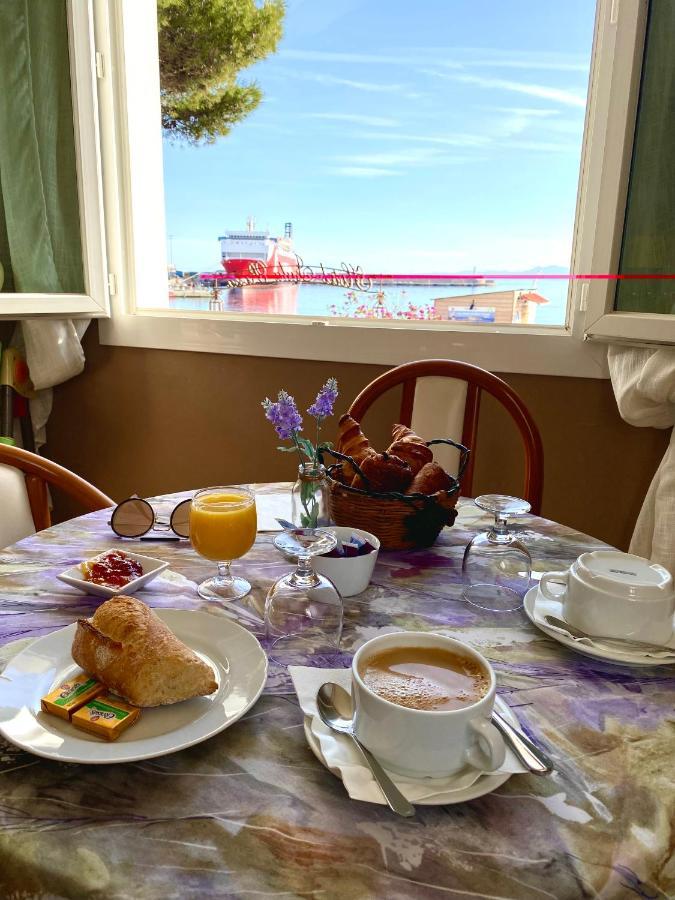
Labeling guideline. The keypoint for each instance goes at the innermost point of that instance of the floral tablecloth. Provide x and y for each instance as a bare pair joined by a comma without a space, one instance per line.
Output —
251,813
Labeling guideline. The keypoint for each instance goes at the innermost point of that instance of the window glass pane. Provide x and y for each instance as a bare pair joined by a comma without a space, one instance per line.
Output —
648,246
436,150
40,248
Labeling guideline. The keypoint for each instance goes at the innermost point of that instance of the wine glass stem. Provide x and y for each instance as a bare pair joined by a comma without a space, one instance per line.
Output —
304,575
500,533
224,570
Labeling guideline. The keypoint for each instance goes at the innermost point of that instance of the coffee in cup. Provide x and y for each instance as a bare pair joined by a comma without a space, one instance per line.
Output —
423,704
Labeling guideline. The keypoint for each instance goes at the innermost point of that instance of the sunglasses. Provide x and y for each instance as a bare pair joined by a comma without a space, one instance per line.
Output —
135,517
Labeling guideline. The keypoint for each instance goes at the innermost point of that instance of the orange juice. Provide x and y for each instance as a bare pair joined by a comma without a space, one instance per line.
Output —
223,525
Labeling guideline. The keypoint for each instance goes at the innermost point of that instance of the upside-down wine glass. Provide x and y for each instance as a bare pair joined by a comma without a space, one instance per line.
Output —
496,567
303,609
223,526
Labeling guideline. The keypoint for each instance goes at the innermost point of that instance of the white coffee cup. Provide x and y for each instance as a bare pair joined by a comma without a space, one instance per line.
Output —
615,594
418,742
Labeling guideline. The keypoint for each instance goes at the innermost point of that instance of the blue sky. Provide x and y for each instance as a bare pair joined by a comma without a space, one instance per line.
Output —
403,137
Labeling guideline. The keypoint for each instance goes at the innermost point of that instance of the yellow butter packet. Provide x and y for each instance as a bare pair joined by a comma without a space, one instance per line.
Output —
64,700
105,716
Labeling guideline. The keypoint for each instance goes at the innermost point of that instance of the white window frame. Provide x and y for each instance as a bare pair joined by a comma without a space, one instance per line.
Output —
620,57
83,70
133,153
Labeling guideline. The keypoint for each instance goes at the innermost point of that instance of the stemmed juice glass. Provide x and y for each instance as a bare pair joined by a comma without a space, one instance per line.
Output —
223,526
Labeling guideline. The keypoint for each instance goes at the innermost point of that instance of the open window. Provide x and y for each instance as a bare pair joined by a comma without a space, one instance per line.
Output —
632,211
52,246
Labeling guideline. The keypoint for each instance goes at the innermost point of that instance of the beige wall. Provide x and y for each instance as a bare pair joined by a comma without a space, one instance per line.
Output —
153,421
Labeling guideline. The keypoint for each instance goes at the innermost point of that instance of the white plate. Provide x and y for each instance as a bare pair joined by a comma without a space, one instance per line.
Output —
485,784
596,651
151,569
240,667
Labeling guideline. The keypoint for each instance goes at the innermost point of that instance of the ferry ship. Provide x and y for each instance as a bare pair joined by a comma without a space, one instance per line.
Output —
255,255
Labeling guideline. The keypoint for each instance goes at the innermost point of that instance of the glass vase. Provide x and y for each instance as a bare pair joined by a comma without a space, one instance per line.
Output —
309,497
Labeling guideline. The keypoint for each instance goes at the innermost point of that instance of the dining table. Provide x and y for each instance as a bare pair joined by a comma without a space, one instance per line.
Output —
252,813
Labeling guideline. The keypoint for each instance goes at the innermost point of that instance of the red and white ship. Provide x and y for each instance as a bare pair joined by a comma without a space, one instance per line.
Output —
255,255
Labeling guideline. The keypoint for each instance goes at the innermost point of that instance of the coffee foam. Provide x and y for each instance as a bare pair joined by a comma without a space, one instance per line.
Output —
425,678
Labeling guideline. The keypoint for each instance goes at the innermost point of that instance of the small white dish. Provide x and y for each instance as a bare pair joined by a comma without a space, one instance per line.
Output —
151,569
595,650
238,661
484,784
350,574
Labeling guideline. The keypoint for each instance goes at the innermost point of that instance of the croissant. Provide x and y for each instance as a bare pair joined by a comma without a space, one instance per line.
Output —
415,454
385,473
430,479
352,442
403,433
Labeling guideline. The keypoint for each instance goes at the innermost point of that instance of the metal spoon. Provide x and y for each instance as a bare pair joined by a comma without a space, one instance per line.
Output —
335,709
577,634
527,752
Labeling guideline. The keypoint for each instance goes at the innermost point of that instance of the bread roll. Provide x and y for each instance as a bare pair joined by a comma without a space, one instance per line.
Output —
386,472
430,479
128,648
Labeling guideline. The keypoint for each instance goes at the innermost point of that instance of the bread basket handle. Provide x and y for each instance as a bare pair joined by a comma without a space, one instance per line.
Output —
463,453
344,458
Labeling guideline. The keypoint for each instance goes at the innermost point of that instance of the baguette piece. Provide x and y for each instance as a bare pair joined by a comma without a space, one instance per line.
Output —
128,648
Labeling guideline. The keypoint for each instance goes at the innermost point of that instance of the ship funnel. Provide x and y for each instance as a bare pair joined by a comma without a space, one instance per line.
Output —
288,229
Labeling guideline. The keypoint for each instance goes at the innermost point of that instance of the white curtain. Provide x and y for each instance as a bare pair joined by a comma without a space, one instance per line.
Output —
644,386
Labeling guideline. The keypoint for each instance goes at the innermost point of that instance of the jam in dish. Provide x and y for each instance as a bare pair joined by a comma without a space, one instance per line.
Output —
114,569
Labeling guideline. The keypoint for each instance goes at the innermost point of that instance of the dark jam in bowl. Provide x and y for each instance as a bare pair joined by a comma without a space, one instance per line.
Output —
115,569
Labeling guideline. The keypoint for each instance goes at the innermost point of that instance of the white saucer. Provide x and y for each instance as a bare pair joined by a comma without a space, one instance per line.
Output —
238,661
596,651
484,785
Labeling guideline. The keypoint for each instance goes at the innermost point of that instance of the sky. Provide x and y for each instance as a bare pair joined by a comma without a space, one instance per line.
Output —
429,137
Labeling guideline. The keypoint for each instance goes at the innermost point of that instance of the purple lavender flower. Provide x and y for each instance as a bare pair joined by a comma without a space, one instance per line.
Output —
325,400
283,415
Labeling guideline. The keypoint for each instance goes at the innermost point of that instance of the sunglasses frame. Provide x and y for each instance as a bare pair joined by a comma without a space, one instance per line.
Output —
158,523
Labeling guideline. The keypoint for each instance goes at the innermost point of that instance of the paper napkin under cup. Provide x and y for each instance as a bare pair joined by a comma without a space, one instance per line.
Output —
342,756
543,607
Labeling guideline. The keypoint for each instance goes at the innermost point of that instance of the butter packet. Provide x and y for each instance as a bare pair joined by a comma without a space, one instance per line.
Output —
64,700
105,716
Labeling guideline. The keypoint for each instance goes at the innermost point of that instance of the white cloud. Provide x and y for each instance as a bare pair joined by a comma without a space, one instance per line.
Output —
568,98
375,121
361,171
369,86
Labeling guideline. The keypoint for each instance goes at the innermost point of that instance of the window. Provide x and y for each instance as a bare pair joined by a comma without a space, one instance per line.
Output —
52,246
639,245
546,92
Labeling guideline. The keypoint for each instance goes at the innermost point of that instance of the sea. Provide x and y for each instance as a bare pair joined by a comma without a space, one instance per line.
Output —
325,300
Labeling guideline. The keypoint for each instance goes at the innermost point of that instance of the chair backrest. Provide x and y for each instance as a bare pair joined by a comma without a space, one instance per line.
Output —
478,380
39,472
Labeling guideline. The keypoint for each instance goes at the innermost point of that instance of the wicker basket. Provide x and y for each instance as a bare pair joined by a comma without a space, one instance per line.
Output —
400,521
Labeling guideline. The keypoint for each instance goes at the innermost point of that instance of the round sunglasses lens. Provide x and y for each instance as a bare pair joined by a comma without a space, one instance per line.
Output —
132,518
180,519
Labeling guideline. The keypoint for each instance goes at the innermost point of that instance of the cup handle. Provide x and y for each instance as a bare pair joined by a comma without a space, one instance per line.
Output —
555,578
489,751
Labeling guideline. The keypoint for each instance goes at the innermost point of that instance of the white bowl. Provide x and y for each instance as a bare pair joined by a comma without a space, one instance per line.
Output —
350,574
151,569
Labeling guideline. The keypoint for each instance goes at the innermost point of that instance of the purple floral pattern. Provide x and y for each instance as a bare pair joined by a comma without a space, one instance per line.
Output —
252,813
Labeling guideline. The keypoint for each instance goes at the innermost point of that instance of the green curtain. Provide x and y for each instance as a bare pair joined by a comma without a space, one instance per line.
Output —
40,245
649,230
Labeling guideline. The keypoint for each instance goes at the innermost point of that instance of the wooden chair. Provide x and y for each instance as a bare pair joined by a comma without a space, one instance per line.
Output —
40,472
478,380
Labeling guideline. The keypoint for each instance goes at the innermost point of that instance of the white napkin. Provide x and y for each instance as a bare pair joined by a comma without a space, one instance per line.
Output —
543,607
270,507
342,757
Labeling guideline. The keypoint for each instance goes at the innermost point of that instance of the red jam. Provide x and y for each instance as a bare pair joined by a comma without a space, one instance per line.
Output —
114,569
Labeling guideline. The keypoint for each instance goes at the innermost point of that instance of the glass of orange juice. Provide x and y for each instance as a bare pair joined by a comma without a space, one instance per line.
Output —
223,526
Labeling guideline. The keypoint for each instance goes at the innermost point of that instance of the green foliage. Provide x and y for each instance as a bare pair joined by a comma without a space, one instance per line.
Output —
203,46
